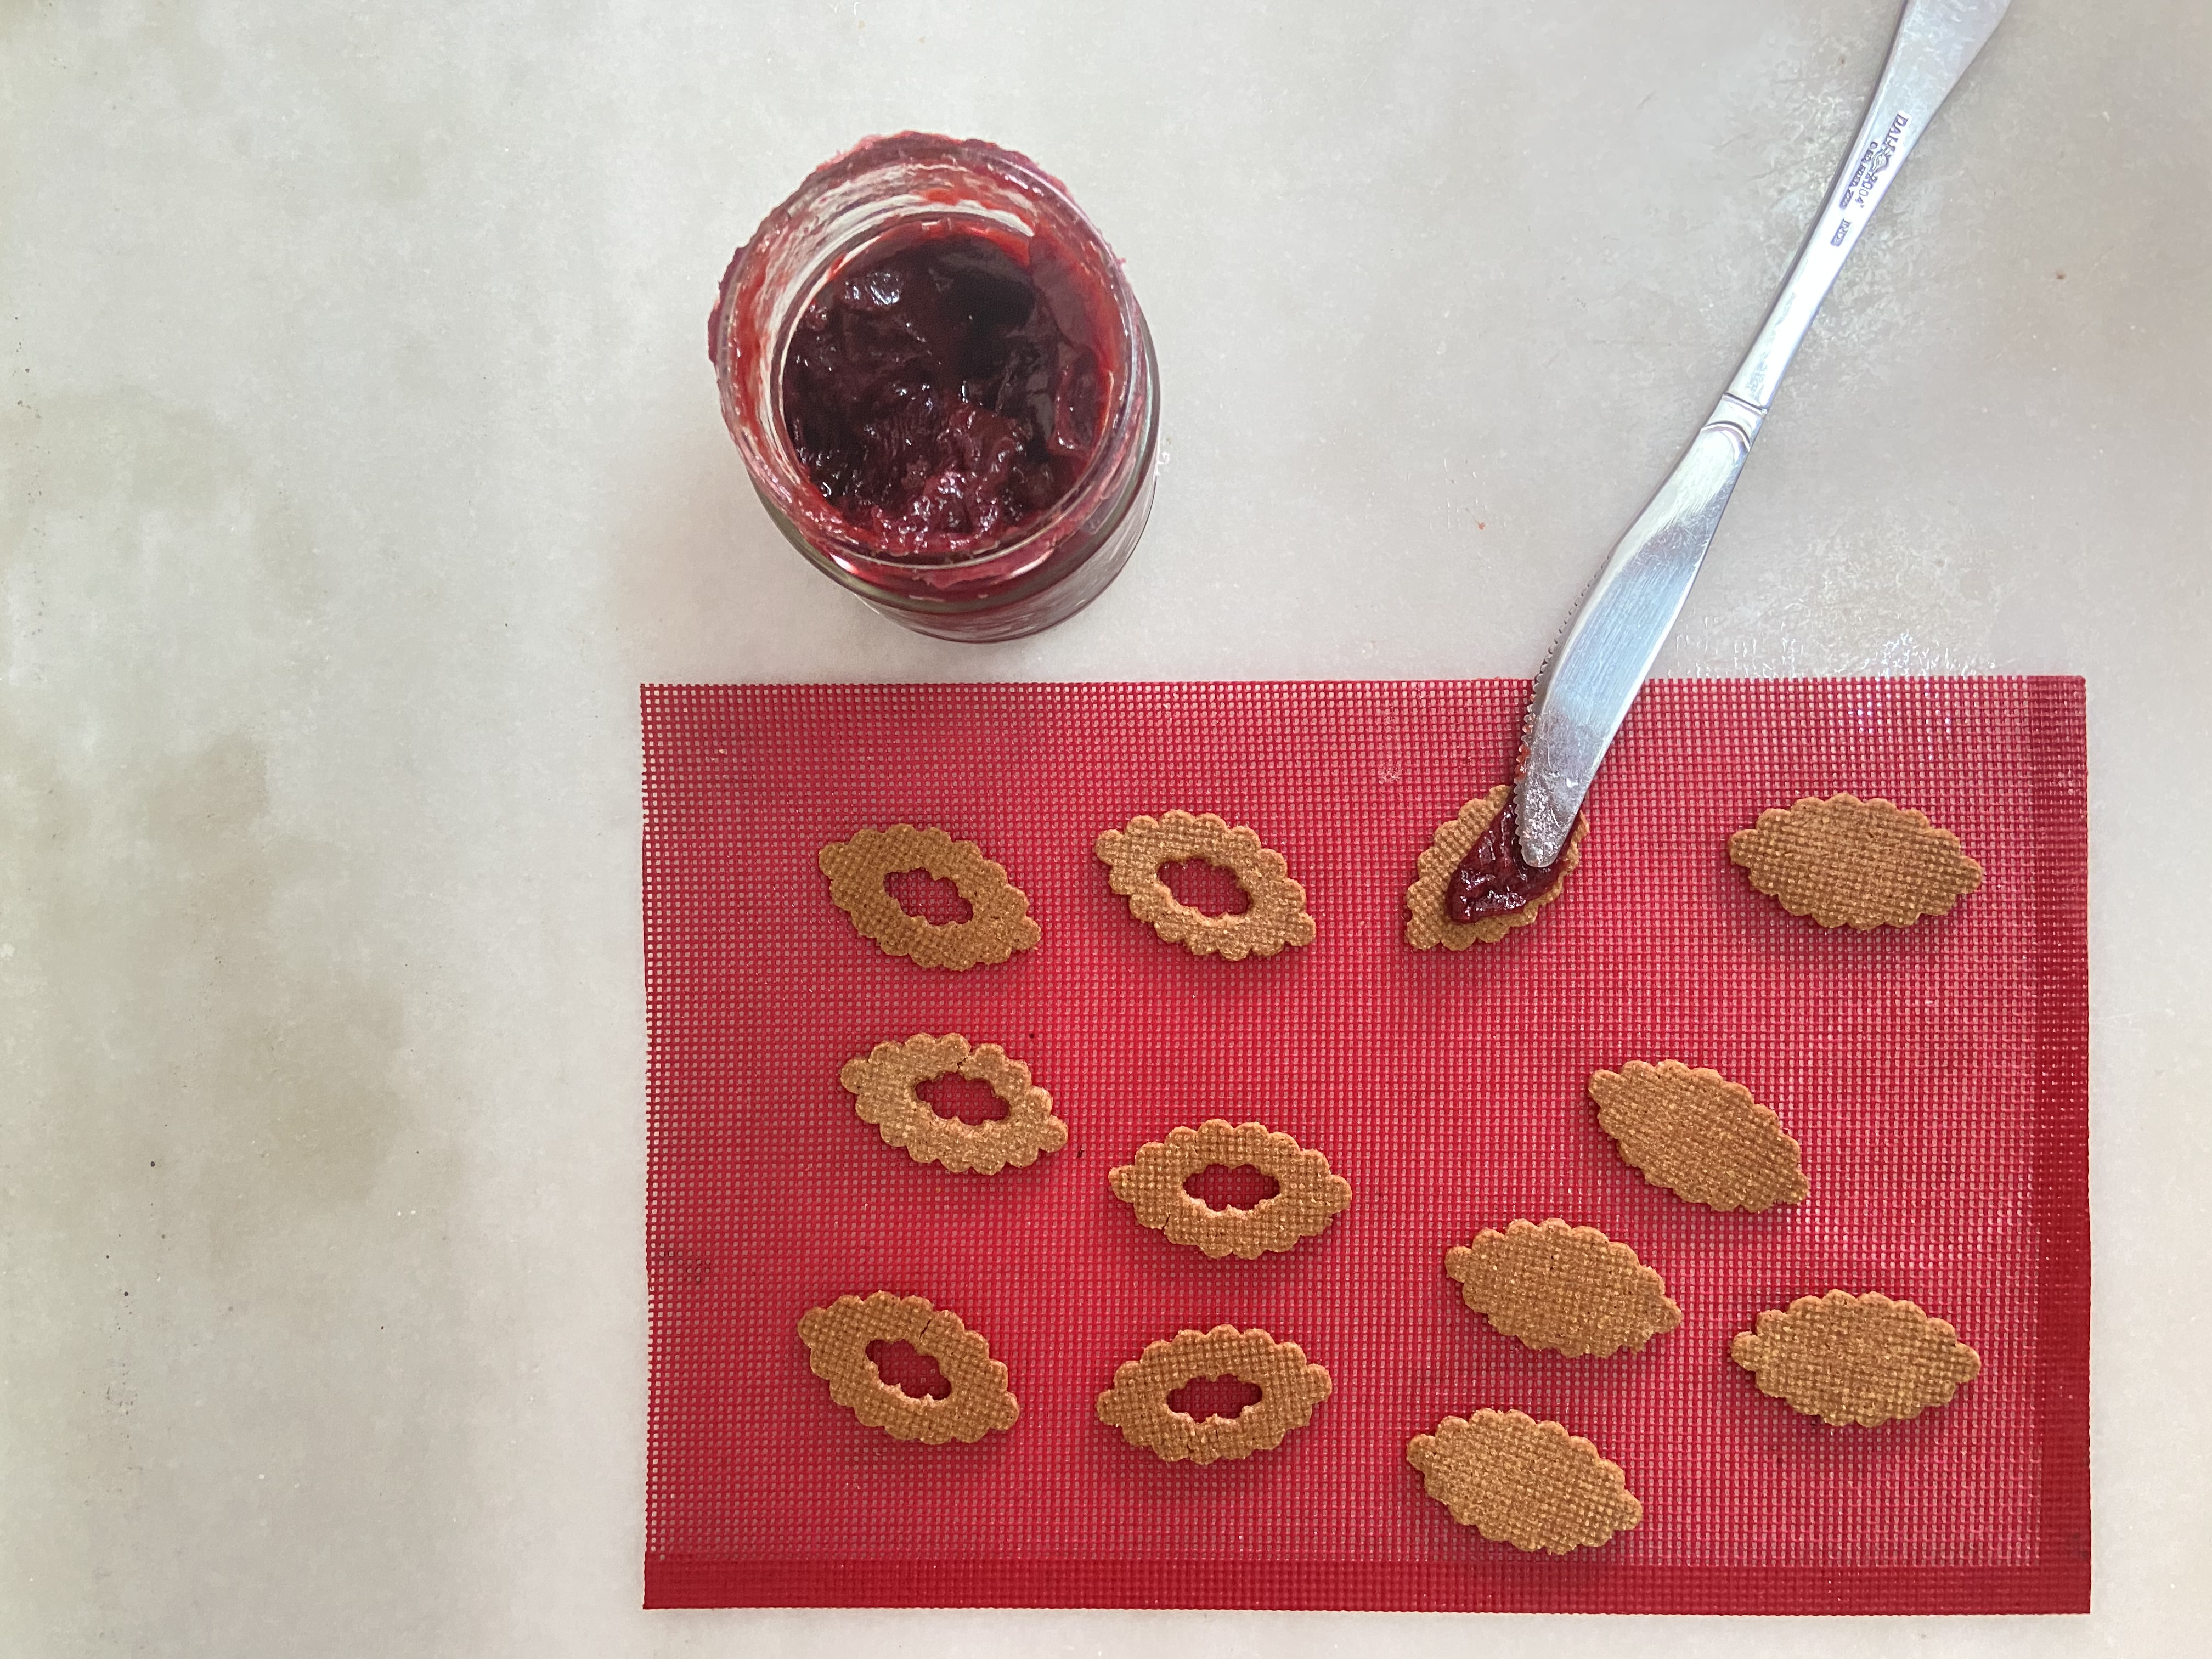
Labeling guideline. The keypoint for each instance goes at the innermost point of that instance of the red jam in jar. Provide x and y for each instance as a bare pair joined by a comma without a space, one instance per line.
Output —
942,386
939,397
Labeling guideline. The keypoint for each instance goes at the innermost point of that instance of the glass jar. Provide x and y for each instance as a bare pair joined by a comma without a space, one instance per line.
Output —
873,197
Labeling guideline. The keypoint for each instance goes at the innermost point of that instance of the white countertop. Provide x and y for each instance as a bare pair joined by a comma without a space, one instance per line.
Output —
361,458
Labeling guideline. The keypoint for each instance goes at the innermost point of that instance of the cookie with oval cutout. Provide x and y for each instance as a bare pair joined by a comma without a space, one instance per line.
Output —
1308,1195
1570,1290
1858,864
999,920
1856,1359
1275,919
1522,1482
883,1081
1427,925
837,1340
1289,1386
1703,1138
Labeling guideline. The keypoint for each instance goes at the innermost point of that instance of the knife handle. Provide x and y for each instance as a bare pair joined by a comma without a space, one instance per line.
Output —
1937,39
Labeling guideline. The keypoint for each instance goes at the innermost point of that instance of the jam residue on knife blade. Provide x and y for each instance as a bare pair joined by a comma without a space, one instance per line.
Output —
944,394
1493,880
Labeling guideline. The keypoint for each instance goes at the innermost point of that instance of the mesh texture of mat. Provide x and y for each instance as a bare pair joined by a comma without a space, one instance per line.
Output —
1935,1077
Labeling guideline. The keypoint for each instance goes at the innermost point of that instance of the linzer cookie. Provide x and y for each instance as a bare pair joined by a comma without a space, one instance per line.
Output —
1700,1136
1862,1359
1429,923
1851,863
883,1084
1524,1483
1289,1389
998,922
839,1338
1276,916
1568,1289
1307,1196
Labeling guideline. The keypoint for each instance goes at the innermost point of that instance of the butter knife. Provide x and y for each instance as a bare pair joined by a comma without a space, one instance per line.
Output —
1585,689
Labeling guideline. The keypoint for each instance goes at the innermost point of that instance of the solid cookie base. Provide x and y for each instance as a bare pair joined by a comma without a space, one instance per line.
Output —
1859,864
1569,1290
1522,1482
1701,1137
1863,1360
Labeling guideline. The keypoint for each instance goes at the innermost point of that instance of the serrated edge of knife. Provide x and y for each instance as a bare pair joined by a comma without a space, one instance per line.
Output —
1541,682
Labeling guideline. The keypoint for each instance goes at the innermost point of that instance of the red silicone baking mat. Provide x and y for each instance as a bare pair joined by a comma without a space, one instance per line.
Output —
1935,1075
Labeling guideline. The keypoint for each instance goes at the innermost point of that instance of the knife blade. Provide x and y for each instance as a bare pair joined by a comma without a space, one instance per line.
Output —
1587,685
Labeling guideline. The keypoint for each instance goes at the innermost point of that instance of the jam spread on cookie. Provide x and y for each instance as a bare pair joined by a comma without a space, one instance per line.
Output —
944,394
1492,880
